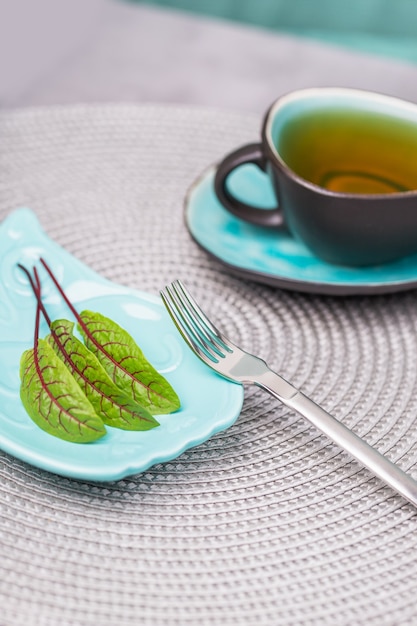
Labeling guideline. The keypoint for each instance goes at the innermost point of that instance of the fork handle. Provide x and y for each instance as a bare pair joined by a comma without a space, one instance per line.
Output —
368,456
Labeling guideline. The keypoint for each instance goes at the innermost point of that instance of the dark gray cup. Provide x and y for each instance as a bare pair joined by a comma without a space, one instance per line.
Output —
333,215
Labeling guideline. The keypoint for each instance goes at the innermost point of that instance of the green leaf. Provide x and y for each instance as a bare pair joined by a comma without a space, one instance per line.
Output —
111,404
126,364
54,400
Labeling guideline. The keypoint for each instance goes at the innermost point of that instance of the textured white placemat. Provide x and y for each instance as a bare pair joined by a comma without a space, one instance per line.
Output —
266,524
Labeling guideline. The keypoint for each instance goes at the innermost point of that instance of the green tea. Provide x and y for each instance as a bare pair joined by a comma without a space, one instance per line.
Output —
352,151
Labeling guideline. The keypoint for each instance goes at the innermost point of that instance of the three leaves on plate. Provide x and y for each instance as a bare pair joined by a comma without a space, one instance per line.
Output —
72,389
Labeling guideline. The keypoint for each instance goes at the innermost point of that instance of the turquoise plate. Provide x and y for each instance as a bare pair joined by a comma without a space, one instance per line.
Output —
209,403
273,256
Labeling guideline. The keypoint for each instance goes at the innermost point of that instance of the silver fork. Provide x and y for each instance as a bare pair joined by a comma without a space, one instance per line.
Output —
233,363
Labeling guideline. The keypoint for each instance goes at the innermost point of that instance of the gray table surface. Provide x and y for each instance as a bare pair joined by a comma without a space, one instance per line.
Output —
103,50
267,523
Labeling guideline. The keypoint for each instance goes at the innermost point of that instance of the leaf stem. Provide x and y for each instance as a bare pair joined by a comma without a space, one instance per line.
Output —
36,288
75,312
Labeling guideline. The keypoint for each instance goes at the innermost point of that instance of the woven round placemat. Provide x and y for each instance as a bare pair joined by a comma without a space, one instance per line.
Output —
265,524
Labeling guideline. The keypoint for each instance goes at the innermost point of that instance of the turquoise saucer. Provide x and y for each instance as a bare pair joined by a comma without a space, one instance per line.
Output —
275,257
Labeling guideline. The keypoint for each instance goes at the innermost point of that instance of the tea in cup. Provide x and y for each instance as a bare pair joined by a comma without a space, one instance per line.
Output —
343,164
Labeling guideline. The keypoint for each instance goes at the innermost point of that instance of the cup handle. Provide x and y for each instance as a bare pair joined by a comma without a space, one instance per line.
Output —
250,153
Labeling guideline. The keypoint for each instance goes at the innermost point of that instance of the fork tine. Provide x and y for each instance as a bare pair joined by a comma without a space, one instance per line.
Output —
192,315
185,326
195,317
198,316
